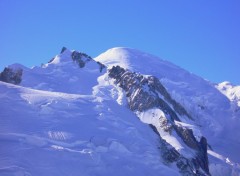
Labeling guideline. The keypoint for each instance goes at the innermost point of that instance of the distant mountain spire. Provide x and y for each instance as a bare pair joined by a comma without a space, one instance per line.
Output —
63,49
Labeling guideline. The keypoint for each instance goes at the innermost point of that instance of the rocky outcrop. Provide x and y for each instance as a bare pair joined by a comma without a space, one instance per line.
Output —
202,154
147,92
101,66
63,49
13,76
187,167
82,59
156,85
201,158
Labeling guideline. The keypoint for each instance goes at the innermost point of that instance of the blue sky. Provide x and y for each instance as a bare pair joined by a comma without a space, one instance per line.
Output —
202,36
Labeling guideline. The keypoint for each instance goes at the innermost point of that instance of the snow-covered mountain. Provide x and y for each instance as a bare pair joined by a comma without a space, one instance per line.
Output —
124,112
233,94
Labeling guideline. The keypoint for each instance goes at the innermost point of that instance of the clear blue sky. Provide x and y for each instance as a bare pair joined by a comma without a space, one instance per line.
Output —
202,36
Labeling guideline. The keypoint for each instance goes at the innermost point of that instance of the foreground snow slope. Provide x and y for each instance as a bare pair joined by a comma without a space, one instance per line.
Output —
52,133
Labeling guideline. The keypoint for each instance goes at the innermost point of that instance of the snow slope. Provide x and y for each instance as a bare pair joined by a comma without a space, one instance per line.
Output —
52,133
61,75
232,93
212,112
66,120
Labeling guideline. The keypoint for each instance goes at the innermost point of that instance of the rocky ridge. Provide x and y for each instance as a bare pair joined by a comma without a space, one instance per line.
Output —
147,92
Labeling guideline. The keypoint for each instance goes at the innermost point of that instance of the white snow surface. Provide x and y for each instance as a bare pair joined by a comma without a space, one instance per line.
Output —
52,133
232,92
63,120
152,117
62,75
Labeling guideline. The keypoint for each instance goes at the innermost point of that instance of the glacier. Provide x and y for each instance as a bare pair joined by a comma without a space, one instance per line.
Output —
124,112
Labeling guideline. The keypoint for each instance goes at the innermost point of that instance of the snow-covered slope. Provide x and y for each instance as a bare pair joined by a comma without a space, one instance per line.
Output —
62,75
210,109
52,133
124,112
232,92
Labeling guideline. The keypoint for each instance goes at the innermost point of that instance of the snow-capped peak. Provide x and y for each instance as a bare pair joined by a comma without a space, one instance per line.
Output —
137,61
70,71
231,91
64,56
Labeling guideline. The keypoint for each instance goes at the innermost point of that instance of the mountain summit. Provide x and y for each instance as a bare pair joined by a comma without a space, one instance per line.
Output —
124,112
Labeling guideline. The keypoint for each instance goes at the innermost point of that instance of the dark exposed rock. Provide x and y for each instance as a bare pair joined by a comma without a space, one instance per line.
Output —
165,124
144,92
82,59
170,155
202,154
147,92
63,49
187,136
13,76
201,159
155,84
51,60
101,66
168,152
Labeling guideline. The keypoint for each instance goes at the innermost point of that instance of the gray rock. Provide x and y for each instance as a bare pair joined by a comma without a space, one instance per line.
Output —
187,167
63,49
13,76
101,66
144,92
147,92
82,59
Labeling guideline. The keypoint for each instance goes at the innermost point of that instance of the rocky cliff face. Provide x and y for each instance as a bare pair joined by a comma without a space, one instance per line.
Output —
147,92
10,75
